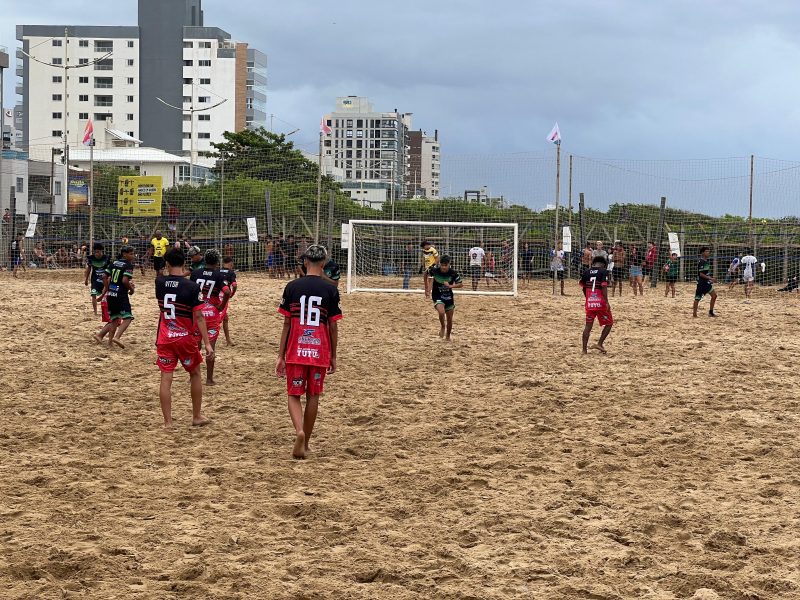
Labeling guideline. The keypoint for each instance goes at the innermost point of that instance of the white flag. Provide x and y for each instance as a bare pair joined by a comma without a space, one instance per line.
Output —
555,135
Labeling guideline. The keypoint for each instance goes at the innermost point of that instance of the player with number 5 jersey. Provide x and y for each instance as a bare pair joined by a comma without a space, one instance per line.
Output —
311,310
215,293
180,324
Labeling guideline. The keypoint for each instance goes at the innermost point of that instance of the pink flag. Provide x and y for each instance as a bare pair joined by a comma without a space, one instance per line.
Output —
323,127
555,135
88,134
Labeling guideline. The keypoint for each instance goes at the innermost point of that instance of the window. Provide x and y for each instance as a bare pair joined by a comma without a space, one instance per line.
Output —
204,45
83,116
203,63
187,118
130,43
130,98
130,62
188,45
187,136
106,64
188,63
203,117
359,123
349,122
100,117
103,46
187,81
57,184
204,99
348,154
83,61
130,80
130,116
57,61
204,136
187,99
359,133
57,97
349,133
57,133
20,184
205,81
83,98
56,42
104,100
130,133
83,43
103,82
56,115
83,80
57,79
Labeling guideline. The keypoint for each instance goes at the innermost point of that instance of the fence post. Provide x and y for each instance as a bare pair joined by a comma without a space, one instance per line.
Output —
714,250
331,205
681,262
581,224
785,236
659,237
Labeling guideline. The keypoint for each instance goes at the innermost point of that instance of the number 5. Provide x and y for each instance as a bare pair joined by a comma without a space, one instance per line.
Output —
168,304
309,313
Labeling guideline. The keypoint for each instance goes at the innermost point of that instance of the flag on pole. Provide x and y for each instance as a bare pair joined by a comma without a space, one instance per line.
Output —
555,135
88,134
323,127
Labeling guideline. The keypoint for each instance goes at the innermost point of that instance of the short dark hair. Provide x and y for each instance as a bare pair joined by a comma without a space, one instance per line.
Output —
126,250
445,260
98,246
175,257
704,248
227,259
211,257
424,243
600,259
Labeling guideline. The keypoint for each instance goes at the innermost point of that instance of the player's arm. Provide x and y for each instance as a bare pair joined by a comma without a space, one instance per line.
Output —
280,365
333,333
127,283
202,327
706,277
226,296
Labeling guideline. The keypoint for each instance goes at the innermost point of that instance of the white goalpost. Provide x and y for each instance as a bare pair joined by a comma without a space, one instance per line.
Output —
385,256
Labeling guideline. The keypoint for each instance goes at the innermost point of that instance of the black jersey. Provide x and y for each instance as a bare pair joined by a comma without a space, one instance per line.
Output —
310,303
438,288
331,270
211,282
99,268
229,275
179,299
593,281
704,267
116,271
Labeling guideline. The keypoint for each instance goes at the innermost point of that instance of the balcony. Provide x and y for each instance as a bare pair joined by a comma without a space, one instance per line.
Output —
103,82
106,64
104,101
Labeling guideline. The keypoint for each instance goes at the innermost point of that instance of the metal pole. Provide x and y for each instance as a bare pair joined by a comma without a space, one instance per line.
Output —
569,264
659,235
2,137
222,200
750,213
319,190
331,206
558,198
91,195
191,141
65,184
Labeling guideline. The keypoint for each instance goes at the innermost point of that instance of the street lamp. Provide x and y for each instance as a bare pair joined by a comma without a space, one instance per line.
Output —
191,110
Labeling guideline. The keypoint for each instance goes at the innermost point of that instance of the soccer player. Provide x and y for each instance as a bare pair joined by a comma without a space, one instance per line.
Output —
96,267
310,335
116,291
181,317
595,288
445,279
430,257
557,265
476,256
330,272
748,276
705,282
671,274
230,278
159,246
215,293
195,260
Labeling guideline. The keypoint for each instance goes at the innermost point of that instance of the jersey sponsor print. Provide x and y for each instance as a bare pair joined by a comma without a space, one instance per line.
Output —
594,282
311,303
440,292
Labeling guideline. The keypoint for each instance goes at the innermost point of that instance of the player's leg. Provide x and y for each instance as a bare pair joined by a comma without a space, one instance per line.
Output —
449,316
210,364
603,335
296,414
310,417
587,331
196,385
440,310
98,337
227,331
425,282
94,303
561,277
165,397
713,295
126,322
698,295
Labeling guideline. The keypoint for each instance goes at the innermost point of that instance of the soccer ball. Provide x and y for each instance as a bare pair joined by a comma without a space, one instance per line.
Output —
124,240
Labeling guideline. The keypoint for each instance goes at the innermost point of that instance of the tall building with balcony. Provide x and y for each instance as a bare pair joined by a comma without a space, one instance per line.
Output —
152,78
370,148
424,165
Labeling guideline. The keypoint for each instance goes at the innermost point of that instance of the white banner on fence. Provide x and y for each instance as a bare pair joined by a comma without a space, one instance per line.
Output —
345,236
33,219
252,229
674,244
566,244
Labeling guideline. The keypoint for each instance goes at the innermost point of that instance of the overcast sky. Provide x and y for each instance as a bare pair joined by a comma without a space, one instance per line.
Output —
624,78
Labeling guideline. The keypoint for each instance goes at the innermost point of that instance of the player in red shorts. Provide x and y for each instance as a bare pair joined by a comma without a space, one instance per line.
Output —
311,311
181,317
215,293
594,282
229,273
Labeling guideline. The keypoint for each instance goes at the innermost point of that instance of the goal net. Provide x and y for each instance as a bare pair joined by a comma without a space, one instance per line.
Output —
387,256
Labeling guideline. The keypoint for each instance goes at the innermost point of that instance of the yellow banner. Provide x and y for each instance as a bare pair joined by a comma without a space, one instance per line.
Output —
139,196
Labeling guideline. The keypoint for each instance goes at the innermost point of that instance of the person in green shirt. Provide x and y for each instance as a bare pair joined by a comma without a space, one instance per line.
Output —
671,274
705,282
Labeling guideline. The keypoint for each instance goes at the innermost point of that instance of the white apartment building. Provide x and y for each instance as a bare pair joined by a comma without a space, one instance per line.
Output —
424,165
371,148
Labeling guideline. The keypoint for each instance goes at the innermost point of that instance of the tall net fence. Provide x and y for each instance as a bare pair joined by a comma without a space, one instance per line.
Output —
263,206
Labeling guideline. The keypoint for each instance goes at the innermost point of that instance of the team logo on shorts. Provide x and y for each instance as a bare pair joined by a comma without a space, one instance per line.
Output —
317,376
187,361
165,361
212,332
297,382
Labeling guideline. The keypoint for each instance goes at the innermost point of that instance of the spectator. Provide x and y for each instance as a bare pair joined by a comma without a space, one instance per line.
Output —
649,260
600,251
586,258
42,258
7,216
527,261
636,270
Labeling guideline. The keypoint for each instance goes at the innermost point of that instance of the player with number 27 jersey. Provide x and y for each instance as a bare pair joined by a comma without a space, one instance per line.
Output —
310,303
212,283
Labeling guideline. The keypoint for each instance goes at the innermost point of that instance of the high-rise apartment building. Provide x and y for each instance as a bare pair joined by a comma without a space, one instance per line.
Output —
424,165
169,58
371,148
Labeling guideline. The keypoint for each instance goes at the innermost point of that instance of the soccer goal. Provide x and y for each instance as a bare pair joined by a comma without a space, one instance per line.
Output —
386,256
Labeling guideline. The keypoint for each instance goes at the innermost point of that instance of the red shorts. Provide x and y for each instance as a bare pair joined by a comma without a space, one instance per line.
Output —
104,310
305,378
603,316
184,352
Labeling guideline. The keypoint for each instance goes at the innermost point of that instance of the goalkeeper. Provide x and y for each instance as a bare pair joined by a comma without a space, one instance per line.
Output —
430,258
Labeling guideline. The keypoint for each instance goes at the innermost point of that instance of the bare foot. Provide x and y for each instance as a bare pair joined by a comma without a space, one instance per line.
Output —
441,332
167,425
118,343
97,338
200,421
210,382
585,351
600,348
447,339
299,450
229,343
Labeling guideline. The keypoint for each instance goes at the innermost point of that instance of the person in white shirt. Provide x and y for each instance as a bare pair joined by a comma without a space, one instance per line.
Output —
748,276
557,266
476,256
